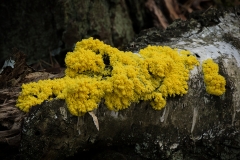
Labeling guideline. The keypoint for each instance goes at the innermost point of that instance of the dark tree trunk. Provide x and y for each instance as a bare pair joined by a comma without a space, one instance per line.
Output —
42,27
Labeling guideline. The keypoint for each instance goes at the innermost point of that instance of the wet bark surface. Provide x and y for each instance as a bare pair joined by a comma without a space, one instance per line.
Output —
194,126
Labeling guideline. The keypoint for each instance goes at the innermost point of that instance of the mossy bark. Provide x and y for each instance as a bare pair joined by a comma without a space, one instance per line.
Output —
194,126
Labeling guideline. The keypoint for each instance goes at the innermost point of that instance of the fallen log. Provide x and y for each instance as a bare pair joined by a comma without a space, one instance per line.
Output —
195,126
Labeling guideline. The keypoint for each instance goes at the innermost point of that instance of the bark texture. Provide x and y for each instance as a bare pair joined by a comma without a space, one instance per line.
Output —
195,126
11,119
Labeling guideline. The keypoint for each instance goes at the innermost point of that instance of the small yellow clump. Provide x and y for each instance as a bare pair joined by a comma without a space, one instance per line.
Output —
215,83
35,93
98,71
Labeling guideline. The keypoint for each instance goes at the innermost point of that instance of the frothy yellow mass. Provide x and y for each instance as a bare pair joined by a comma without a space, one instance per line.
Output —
97,71
215,83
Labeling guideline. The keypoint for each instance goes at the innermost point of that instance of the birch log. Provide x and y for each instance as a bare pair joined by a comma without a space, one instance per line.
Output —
194,126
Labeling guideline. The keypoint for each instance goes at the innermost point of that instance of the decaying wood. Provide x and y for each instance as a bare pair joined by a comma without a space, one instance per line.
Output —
194,126
11,117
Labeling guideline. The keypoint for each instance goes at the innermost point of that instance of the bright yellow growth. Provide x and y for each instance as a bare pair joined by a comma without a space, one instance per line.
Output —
215,83
97,71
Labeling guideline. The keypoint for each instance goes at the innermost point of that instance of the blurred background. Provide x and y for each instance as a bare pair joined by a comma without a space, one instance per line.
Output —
46,30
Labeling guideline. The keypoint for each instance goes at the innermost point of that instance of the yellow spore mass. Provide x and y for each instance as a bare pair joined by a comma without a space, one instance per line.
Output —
215,83
97,71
